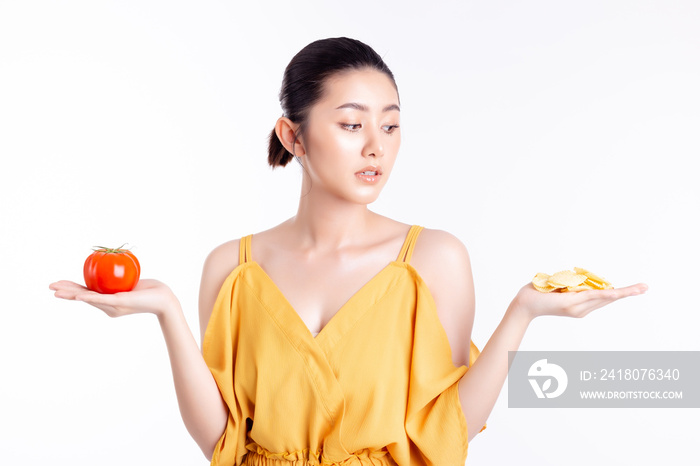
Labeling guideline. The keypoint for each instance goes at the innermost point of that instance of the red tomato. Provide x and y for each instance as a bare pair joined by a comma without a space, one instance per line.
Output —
111,270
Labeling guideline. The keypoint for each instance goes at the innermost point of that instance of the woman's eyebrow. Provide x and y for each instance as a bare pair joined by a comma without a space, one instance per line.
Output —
364,108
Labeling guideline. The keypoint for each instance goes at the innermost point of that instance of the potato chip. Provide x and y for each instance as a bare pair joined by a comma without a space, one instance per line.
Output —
570,281
540,283
544,289
566,278
594,280
581,287
540,279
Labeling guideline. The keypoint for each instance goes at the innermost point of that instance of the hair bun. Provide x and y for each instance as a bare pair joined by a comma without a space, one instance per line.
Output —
277,154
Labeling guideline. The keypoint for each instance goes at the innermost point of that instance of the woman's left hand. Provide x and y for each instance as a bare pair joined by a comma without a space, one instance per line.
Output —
570,304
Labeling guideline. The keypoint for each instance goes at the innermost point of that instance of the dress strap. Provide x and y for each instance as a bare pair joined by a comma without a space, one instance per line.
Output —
409,244
244,255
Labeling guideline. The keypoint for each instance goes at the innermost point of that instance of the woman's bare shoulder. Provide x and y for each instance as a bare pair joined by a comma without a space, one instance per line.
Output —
226,255
218,265
442,261
223,256
437,250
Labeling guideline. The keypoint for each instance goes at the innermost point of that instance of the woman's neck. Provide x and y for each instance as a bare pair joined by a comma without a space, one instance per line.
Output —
326,223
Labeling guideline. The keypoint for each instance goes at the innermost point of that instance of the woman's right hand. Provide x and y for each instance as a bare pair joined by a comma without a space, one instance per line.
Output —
148,296
534,303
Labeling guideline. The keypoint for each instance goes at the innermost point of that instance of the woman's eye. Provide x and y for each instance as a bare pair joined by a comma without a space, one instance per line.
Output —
351,126
390,128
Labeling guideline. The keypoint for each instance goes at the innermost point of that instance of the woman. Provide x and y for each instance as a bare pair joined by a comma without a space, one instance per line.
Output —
339,336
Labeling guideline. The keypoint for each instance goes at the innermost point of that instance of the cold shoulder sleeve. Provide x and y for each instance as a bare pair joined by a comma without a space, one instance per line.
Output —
435,422
219,349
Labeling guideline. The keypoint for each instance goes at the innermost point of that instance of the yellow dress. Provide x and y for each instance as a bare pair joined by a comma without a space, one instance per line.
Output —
376,386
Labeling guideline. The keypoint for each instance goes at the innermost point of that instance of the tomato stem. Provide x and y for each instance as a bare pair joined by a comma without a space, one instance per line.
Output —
118,250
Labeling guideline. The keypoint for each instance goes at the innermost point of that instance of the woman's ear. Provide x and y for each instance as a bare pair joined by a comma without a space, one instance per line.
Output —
286,132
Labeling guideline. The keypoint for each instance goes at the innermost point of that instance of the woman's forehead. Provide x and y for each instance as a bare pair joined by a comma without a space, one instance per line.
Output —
366,87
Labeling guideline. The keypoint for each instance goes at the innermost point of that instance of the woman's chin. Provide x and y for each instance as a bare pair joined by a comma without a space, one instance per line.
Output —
367,199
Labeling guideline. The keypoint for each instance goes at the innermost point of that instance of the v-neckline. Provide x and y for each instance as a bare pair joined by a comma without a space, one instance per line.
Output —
337,316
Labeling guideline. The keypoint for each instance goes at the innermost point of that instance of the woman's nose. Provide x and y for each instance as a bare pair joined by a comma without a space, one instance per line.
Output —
373,145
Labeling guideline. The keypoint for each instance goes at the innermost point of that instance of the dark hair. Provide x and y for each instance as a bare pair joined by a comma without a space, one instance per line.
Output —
304,77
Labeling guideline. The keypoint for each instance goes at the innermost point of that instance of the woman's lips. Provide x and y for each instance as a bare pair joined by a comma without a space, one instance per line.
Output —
369,174
372,169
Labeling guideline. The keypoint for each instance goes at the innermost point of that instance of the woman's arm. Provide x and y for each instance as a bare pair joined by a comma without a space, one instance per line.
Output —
480,386
443,261
202,408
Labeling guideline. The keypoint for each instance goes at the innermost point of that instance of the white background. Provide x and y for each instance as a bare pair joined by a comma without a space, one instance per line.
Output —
544,134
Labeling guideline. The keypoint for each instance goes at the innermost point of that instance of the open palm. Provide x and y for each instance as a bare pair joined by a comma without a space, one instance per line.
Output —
148,296
572,304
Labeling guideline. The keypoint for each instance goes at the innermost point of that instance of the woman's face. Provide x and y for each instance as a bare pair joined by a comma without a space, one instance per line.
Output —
353,128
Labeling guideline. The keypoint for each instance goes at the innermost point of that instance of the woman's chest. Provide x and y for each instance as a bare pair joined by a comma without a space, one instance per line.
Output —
316,292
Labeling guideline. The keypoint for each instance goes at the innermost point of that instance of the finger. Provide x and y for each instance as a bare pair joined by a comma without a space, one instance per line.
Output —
96,298
66,294
66,285
60,284
112,304
595,299
639,288
618,293
66,289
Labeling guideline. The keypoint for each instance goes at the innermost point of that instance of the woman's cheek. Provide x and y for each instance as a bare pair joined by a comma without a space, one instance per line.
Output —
350,145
